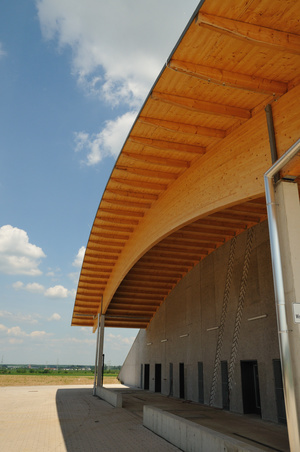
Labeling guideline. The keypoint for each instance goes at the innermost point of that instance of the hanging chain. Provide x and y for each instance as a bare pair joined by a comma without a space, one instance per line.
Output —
222,320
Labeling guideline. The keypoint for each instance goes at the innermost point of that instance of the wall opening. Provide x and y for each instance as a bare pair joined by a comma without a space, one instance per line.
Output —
225,385
250,387
279,395
141,380
157,377
181,380
147,376
200,383
171,379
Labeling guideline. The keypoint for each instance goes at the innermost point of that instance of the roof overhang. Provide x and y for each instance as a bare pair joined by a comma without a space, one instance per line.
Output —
190,174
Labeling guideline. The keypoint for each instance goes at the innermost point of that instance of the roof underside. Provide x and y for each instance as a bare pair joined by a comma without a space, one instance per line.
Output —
234,58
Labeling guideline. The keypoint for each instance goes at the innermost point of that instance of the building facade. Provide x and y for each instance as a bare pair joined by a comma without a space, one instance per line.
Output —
214,340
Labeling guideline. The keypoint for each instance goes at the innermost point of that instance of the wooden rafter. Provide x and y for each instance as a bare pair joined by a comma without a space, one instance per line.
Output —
175,163
201,106
257,34
234,80
168,145
183,128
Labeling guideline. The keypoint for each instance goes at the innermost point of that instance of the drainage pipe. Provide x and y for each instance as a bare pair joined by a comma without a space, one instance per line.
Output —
283,332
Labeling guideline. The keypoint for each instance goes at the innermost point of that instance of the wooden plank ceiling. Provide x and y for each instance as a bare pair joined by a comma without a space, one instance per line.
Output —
234,58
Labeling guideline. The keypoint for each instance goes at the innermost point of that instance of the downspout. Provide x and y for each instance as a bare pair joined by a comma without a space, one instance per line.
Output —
283,332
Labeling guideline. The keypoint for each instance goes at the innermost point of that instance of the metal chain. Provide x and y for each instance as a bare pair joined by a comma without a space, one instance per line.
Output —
239,313
222,321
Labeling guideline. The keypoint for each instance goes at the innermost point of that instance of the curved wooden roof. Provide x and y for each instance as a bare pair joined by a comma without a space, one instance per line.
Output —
190,174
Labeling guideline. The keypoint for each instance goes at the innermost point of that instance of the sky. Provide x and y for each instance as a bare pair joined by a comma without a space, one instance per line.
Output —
73,77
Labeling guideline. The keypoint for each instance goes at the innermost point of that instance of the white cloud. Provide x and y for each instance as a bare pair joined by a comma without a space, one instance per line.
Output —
16,334
79,258
57,292
108,142
117,342
54,316
38,334
19,317
35,288
17,254
18,285
2,51
118,46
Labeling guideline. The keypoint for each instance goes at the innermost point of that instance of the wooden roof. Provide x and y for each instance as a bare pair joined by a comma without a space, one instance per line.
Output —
190,174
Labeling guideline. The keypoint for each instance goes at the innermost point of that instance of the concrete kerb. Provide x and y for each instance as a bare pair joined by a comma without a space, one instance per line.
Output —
110,396
188,436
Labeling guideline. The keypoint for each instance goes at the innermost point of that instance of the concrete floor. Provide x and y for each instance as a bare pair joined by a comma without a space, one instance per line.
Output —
69,418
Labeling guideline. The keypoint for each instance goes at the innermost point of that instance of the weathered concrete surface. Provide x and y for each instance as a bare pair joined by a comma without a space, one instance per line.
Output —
110,396
189,436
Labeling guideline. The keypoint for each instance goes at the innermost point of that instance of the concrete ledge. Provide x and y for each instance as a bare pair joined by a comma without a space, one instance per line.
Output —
189,436
113,398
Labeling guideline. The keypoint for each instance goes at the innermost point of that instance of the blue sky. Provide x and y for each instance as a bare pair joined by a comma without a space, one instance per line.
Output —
73,77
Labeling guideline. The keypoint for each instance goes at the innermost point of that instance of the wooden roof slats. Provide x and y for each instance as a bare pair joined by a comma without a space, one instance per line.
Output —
203,117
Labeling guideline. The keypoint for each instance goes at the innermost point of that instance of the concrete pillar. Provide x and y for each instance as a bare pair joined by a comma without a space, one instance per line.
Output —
288,221
100,350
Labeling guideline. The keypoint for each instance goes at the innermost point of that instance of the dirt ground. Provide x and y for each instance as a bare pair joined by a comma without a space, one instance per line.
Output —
43,380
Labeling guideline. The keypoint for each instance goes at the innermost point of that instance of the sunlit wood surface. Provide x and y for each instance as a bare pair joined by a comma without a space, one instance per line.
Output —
190,174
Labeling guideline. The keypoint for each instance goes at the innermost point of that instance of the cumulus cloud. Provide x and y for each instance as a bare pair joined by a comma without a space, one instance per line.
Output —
108,142
17,335
79,257
117,342
19,317
35,288
2,51
18,285
57,292
17,254
55,317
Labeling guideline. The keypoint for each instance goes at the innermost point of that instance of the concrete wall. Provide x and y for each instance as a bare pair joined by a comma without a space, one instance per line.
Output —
193,308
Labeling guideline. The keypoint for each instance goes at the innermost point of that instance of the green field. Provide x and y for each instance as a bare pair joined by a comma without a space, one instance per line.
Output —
71,371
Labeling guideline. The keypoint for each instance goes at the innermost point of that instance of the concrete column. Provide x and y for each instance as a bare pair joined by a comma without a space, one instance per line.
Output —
100,350
288,220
